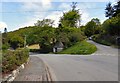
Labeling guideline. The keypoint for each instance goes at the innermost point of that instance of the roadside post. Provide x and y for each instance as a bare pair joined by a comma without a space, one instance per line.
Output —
118,41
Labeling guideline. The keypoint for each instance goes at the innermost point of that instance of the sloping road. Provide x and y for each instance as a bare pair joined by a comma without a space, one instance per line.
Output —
100,66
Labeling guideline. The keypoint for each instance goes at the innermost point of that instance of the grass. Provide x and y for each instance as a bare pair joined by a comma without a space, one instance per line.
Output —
80,48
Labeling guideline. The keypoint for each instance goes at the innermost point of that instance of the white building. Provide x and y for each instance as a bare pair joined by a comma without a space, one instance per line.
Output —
58,47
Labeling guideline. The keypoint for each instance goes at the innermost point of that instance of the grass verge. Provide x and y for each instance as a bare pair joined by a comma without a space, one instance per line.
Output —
80,48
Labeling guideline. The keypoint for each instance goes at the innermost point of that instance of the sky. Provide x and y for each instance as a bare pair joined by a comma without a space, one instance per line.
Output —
15,14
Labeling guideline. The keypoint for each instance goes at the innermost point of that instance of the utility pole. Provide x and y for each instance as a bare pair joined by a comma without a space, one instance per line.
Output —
25,41
0,42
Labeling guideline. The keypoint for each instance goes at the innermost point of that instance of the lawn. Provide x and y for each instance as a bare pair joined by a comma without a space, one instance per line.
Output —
80,48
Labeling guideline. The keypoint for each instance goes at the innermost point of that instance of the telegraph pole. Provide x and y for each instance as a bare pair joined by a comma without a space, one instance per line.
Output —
25,41
0,42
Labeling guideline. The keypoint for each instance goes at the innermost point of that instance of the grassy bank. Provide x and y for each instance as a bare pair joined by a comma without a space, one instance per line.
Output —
80,48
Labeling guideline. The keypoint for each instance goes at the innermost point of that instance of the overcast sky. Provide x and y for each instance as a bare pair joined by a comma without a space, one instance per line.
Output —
15,14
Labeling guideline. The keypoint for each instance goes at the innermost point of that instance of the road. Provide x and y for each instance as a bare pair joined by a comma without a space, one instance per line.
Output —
100,66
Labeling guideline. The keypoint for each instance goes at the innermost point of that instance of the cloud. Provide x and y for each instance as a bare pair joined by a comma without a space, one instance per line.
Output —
85,18
35,6
46,2
55,16
3,25
40,7
64,6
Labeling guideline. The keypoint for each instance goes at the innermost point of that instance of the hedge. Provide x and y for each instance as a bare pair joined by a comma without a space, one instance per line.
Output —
13,59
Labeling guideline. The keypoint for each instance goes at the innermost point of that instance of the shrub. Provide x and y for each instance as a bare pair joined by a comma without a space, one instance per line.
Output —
12,59
105,39
5,46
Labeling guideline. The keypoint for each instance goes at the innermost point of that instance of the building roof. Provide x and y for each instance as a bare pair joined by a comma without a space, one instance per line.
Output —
59,45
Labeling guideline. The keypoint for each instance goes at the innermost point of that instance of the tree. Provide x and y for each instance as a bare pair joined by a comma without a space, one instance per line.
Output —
109,10
93,27
112,26
4,36
112,11
74,5
5,30
5,45
16,41
116,9
70,18
96,20
44,22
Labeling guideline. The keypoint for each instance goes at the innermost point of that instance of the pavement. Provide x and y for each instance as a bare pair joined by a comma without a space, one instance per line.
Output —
35,70
100,66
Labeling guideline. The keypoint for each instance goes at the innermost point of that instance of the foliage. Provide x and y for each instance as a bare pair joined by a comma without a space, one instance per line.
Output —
70,18
5,46
82,47
46,36
112,11
112,26
93,27
44,22
16,41
102,39
111,30
12,59
109,10
69,36
116,9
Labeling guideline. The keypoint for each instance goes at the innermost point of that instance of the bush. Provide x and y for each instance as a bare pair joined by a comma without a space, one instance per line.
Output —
105,39
12,59
5,46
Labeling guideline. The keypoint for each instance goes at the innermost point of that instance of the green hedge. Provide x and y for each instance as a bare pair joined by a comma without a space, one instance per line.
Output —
12,59
105,39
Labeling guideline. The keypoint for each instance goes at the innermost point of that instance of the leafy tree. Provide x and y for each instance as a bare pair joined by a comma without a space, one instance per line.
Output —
16,41
116,9
74,5
70,18
96,20
44,22
93,27
109,10
112,26
112,11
